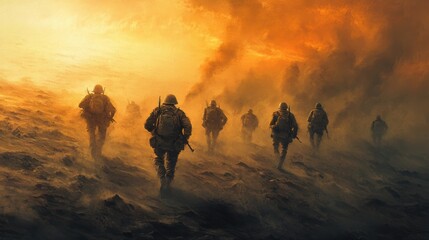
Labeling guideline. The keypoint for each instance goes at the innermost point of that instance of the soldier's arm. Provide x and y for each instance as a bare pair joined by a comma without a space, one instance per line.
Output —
223,116
84,102
273,120
151,121
310,116
186,125
326,119
294,126
110,108
205,114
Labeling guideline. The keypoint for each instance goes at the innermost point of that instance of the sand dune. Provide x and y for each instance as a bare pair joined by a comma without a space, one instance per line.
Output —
52,189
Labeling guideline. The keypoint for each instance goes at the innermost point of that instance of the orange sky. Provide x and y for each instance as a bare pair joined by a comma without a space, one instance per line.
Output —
74,44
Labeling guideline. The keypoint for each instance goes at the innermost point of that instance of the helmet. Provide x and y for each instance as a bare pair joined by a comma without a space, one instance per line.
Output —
98,89
318,105
213,103
250,111
170,99
283,106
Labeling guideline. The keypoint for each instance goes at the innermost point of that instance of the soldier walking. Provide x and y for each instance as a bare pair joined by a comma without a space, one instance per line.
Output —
317,124
213,121
98,112
249,123
378,129
171,129
284,129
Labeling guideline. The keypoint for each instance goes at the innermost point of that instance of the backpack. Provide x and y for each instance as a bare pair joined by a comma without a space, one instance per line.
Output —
213,116
318,118
248,121
167,123
96,104
283,123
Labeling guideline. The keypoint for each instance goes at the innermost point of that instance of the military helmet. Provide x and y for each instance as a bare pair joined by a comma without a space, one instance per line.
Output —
170,99
283,106
318,105
250,111
98,89
213,103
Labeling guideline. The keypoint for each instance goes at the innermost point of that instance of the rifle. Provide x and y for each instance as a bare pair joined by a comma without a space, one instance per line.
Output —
299,140
88,91
327,133
189,145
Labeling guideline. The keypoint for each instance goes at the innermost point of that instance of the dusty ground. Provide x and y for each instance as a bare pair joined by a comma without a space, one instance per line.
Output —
51,189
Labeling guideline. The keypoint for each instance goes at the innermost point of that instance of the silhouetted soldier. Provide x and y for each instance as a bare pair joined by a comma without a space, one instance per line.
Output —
171,129
317,124
133,110
378,129
284,129
98,111
213,121
249,123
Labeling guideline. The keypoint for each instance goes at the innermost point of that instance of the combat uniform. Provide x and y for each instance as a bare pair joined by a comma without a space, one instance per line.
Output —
249,123
168,143
378,129
97,120
317,124
284,129
213,121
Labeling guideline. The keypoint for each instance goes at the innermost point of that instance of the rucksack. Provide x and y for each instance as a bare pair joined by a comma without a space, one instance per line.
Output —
167,123
213,116
249,121
318,117
97,104
283,123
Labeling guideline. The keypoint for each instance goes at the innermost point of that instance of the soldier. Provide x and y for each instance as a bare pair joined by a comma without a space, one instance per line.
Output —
317,123
133,110
98,111
284,129
213,121
378,129
171,129
249,124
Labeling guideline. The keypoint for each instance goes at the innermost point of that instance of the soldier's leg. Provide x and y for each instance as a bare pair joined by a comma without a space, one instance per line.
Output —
276,143
319,139
91,127
285,144
215,136
248,135
102,129
208,138
171,166
159,164
311,132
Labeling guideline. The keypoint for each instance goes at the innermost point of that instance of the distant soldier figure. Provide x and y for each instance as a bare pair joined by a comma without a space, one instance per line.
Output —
98,111
317,123
171,129
284,129
249,123
133,110
213,121
378,129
